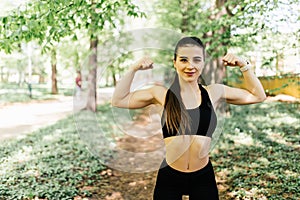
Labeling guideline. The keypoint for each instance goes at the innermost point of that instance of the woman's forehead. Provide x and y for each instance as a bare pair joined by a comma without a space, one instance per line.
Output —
190,51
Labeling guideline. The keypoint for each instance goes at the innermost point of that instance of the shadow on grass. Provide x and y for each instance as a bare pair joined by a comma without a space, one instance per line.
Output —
258,156
51,163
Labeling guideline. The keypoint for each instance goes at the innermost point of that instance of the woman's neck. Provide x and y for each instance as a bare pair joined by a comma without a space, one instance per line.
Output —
188,86
190,94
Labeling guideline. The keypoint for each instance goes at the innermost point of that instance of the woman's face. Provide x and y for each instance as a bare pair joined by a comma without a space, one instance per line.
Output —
189,63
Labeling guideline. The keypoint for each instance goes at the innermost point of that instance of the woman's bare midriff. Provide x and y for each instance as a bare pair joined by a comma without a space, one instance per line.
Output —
187,153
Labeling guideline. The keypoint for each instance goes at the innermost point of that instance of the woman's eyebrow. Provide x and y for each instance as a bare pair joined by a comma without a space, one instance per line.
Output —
183,57
198,57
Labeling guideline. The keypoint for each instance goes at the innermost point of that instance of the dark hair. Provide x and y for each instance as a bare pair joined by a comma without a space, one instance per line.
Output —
189,41
176,117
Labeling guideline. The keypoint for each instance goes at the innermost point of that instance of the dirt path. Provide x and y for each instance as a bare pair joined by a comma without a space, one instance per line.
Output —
19,119
126,177
132,176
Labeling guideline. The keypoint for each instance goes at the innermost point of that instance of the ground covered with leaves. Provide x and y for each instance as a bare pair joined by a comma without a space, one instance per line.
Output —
257,157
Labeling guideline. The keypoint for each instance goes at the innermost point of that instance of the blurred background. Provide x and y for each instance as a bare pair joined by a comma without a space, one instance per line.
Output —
60,61
45,45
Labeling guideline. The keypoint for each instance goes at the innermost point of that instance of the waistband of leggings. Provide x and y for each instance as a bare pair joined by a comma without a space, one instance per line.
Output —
205,168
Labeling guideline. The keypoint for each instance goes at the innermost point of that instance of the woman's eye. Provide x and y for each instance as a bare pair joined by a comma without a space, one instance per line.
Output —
197,61
183,60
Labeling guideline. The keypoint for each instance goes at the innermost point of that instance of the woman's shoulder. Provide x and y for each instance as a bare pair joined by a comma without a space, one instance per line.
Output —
159,93
215,91
215,87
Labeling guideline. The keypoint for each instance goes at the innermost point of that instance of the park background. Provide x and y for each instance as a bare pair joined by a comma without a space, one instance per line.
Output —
44,43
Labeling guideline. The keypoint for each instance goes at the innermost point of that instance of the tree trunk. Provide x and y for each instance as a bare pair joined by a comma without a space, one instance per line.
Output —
92,77
215,71
185,17
20,76
114,77
54,89
1,72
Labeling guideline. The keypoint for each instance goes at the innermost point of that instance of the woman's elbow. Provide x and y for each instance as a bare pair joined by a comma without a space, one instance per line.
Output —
262,98
115,102
119,103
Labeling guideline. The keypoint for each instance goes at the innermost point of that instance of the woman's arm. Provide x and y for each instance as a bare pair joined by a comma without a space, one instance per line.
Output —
123,98
253,93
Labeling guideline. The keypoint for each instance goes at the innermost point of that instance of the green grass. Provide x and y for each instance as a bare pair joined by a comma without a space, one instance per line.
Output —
257,156
12,93
51,163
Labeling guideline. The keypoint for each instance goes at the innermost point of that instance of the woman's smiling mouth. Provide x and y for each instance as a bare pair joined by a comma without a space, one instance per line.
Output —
189,73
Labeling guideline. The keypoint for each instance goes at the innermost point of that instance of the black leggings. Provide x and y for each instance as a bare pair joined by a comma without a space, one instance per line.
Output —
172,184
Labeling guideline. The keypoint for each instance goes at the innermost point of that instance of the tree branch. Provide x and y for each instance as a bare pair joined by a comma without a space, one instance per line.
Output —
228,11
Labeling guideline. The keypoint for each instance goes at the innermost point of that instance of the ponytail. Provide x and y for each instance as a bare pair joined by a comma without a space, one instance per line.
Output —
176,117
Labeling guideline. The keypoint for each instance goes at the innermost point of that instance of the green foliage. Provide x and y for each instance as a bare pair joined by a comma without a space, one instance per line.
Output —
49,21
51,163
73,54
223,24
259,152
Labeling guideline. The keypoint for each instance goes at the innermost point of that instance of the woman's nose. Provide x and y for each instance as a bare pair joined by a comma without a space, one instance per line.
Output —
190,65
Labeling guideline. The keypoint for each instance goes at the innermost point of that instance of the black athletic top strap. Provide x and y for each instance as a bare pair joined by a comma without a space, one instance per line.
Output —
203,118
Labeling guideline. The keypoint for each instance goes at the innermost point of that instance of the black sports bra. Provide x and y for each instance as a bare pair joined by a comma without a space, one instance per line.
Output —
203,118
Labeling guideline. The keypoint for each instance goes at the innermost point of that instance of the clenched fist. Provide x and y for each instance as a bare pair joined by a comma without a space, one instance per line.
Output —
233,60
143,64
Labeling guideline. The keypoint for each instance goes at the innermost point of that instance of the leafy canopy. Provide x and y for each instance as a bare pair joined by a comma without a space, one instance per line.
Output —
49,21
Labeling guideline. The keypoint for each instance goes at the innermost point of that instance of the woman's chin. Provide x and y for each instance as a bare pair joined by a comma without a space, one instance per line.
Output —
191,79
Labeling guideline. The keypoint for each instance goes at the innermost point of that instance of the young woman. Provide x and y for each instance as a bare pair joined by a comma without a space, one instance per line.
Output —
188,118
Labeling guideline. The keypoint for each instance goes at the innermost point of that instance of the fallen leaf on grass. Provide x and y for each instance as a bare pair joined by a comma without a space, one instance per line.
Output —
114,196
132,183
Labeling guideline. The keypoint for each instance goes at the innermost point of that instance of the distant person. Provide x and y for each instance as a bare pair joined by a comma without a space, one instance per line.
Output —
78,82
188,118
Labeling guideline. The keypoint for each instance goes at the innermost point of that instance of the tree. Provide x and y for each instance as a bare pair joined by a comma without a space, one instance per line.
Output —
35,21
49,21
220,23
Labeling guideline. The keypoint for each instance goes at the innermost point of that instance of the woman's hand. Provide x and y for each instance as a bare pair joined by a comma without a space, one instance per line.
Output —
143,64
233,60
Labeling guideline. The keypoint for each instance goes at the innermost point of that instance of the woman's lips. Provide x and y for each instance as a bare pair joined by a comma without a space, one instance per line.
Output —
189,73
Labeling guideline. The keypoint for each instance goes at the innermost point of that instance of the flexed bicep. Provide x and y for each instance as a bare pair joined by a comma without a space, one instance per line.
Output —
136,99
142,98
232,95
123,97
